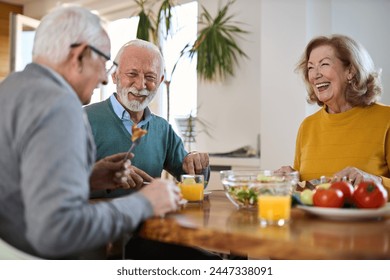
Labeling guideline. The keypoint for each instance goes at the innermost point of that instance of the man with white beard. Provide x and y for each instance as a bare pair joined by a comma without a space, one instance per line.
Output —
138,76
139,73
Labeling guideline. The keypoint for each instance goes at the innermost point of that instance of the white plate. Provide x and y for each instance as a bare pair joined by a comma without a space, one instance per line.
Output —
206,193
347,214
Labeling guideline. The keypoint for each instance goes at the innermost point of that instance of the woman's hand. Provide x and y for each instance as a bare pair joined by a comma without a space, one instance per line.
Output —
285,170
356,176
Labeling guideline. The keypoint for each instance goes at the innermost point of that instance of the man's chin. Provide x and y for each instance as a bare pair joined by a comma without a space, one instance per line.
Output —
137,108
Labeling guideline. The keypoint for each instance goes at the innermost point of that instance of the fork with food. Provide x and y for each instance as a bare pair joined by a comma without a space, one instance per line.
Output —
137,133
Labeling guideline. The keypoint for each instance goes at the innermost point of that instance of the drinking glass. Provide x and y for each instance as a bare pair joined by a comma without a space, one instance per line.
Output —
274,200
192,187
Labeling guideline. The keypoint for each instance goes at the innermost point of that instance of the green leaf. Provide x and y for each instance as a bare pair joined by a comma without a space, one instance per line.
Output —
216,47
144,26
165,16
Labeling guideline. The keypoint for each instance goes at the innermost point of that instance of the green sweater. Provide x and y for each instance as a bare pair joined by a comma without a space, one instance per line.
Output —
161,148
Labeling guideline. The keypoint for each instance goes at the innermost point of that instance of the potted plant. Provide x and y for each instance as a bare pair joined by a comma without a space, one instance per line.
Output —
187,128
216,45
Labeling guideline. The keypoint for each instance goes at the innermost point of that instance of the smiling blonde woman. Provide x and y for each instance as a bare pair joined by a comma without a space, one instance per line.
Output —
349,135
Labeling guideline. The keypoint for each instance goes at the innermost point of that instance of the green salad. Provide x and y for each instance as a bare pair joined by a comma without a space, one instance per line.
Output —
243,195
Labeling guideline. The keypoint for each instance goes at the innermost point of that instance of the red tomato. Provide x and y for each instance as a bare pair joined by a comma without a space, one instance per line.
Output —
328,198
345,187
369,195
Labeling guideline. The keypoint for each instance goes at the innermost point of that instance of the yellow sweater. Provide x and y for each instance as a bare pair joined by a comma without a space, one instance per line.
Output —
327,143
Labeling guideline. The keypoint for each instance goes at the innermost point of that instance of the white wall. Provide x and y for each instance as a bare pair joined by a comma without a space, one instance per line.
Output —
266,96
233,107
282,96
369,23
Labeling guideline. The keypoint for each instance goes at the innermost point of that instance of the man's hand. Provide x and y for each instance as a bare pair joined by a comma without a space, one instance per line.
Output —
110,173
137,177
195,163
163,195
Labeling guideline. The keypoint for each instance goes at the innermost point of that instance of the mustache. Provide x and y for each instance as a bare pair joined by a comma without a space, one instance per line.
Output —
134,91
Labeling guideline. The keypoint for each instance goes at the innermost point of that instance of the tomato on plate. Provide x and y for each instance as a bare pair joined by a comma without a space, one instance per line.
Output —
369,194
328,198
345,187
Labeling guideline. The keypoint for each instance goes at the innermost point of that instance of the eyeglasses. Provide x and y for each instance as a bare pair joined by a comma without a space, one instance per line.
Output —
111,66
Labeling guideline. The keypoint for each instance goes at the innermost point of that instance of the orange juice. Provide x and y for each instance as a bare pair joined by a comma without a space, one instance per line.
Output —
192,192
274,209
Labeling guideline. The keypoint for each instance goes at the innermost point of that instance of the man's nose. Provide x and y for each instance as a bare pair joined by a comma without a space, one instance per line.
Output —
140,82
103,77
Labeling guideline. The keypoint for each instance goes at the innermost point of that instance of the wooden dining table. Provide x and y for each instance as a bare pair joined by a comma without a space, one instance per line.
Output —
216,224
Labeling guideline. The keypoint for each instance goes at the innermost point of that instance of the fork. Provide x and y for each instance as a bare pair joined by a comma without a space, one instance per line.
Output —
133,145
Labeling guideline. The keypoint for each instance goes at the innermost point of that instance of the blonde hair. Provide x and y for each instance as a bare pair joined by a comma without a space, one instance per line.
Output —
365,86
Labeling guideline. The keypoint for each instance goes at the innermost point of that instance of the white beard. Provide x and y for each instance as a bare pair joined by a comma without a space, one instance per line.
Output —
135,105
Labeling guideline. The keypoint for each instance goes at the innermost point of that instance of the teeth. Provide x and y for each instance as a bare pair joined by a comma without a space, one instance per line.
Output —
322,85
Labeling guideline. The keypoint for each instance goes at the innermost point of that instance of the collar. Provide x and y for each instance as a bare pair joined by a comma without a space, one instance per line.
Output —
124,115
56,76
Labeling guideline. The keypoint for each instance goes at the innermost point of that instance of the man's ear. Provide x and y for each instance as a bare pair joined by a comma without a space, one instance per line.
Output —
162,79
114,77
76,55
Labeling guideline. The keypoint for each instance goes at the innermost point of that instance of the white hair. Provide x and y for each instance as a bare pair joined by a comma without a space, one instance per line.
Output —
66,25
146,45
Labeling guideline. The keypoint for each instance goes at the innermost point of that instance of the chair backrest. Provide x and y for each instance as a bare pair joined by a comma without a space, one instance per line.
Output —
8,252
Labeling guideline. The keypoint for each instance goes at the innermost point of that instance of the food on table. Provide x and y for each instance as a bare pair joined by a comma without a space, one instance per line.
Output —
338,194
324,186
192,190
242,187
328,198
369,195
189,181
264,178
244,195
247,196
274,209
347,189
137,132
323,182
306,196
301,186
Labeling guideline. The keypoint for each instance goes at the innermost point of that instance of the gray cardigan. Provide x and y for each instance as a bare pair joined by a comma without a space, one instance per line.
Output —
46,155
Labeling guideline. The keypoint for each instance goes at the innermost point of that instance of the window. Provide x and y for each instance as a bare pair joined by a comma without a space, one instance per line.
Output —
120,32
183,89
22,38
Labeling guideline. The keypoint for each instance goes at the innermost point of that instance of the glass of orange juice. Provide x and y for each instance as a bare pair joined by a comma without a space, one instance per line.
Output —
274,200
192,187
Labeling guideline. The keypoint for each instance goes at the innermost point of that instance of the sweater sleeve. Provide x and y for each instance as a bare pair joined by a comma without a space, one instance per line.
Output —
60,220
386,180
175,154
297,163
